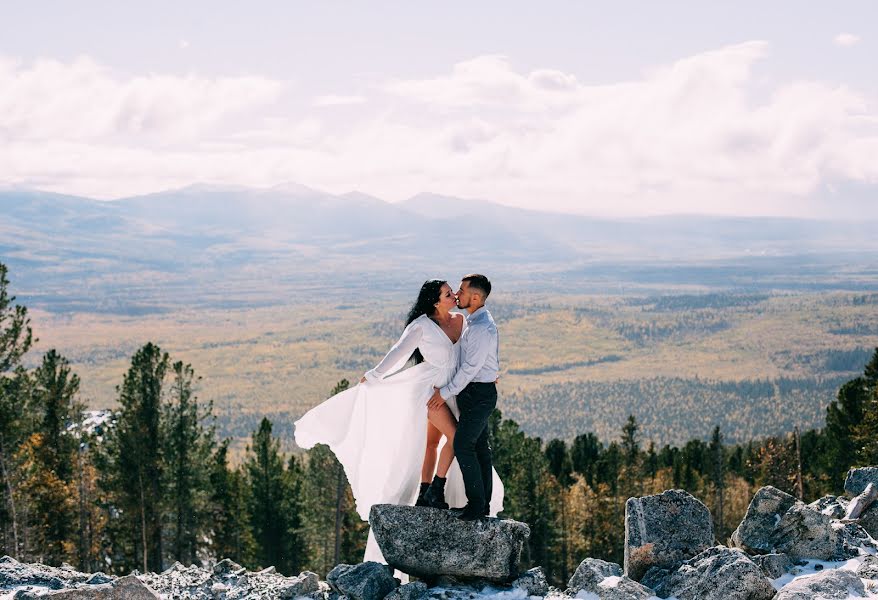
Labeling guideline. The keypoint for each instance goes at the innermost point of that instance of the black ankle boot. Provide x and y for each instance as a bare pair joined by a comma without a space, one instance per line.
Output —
421,500
435,495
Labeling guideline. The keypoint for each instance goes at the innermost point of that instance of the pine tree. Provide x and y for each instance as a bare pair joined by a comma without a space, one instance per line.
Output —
560,465
231,534
294,507
48,482
189,441
266,478
584,455
16,338
132,467
718,479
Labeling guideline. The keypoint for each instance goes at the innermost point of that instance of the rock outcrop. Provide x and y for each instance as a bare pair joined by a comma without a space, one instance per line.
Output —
857,480
124,588
365,581
427,543
718,573
664,530
605,581
827,585
766,510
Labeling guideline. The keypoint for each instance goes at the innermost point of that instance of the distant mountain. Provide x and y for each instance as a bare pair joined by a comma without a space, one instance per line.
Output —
204,234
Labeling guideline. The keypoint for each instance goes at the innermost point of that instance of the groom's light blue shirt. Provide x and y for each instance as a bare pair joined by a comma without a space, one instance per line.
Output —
479,354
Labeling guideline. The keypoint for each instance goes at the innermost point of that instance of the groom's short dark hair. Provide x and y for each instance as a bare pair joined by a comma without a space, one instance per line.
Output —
480,283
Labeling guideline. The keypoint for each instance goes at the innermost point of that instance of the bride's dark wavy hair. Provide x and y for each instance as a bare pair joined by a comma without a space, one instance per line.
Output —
425,305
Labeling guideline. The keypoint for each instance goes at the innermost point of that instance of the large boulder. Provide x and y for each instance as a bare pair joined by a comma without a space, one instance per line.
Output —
410,591
533,582
664,530
766,509
365,581
868,569
869,520
427,543
773,565
595,578
17,574
825,585
805,533
124,588
857,479
718,573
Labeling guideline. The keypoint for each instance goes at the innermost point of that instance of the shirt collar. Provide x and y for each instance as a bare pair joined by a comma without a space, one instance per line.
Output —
471,317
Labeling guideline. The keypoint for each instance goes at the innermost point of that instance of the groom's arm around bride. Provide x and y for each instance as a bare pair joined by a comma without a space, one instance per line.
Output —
473,384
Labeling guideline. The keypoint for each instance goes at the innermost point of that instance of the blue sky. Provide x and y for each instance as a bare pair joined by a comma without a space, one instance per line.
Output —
609,108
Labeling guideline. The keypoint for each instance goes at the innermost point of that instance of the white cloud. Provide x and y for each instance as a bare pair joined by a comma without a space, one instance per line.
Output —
846,39
337,100
703,134
184,44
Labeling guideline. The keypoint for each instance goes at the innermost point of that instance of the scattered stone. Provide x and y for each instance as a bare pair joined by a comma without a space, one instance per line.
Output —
410,591
14,574
226,566
831,506
857,479
99,578
365,581
718,573
533,581
428,542
869,568
664,530
773,565
754,534
826,585
869,520
305,584
590,573
862,502
124,588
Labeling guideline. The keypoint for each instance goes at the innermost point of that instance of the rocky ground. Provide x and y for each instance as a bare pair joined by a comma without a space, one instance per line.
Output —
782,550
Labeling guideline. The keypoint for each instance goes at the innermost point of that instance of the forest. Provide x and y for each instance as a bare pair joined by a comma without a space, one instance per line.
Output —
152,482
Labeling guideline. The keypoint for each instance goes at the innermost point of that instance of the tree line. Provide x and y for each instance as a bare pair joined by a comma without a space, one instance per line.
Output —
153,483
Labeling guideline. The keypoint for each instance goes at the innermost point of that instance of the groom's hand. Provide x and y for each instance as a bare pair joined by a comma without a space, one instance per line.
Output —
435,400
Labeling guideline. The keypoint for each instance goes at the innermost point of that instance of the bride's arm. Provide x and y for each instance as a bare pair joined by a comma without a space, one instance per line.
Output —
399,353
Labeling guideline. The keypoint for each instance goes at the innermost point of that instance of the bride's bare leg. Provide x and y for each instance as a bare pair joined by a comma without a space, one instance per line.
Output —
429,466
442,420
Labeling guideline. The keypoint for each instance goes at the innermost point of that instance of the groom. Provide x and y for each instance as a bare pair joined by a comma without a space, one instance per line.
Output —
476,391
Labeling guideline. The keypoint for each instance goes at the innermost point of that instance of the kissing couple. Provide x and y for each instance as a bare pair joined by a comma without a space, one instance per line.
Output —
381,429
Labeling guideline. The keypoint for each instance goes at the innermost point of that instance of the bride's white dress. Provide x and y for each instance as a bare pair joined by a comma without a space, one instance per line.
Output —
378,429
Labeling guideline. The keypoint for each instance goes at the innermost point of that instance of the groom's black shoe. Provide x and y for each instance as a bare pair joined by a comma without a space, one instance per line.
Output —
421,500
468,513
435,494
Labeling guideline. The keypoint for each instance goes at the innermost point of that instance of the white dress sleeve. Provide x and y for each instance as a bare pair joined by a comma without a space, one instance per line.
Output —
398,354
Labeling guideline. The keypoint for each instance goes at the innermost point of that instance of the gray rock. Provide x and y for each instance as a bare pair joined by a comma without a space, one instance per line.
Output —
410,591
226,566
428,542
664,530
805,533
305,584
773,565
124,588
857,479
365,581
869,520
590,573
718,573
869,568
533,581
832,506
768,506
99,578
825,585
15,574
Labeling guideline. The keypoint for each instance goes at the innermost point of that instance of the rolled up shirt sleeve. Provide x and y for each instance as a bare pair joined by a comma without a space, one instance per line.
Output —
477,345
399,353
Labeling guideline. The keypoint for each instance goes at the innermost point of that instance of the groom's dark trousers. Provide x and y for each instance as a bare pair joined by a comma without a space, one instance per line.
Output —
471,445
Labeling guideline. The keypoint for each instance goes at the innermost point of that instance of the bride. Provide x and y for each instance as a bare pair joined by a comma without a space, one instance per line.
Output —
381,429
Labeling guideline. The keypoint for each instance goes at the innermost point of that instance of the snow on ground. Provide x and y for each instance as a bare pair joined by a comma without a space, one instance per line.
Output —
816,566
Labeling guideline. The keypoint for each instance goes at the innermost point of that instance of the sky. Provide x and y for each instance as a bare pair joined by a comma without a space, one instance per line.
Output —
601,108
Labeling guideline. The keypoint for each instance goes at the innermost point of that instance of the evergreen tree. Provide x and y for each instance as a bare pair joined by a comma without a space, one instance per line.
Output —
294,507
718,479
584,455
843,415
268,517
231,535
865,433
16,338
560,465
188,448
132,466
48,478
